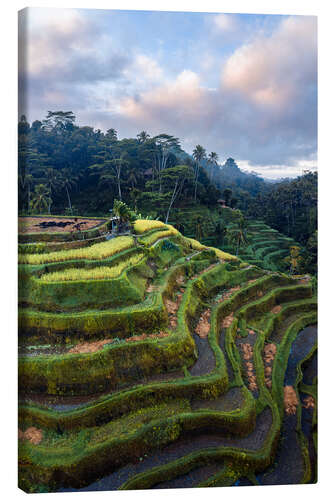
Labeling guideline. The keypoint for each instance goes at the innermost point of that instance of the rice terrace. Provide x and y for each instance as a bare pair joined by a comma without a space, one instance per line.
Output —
161,361
167,250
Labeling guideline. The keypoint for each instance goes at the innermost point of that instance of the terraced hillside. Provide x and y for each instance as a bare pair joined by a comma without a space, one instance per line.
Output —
266,247
151,361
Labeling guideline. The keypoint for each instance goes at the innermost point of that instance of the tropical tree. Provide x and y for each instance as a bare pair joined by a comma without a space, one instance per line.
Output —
118,164
53,181
213,158
294,259
199,154
125,214
112,135
68,180
233,202
132,177
41,198
238,235
227,196
199,228
165,145
220,231
143,137
175,177
59,120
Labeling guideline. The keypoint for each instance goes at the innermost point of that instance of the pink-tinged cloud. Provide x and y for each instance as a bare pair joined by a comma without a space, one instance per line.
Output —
182,98
270,71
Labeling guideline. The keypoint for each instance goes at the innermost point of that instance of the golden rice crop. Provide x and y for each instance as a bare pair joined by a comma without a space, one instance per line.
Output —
141,225
96,273
152,238
94,252
196,245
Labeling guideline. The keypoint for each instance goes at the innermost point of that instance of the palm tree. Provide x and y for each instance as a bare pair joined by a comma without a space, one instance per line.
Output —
112,134
143,137
68,181
41,198
121,210
26,182
220,231
199,154
132,177
199,230
53,181
238,235
118,164
213,158
227,195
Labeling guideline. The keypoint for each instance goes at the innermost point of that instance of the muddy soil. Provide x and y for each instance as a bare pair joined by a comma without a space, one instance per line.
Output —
55,224
226,357
206,359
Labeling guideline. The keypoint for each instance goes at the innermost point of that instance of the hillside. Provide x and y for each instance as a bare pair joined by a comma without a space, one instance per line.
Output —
149,359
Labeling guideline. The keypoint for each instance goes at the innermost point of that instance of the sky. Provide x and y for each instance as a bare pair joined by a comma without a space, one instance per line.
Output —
244,86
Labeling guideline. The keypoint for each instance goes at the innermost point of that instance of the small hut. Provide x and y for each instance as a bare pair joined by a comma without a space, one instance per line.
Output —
221,203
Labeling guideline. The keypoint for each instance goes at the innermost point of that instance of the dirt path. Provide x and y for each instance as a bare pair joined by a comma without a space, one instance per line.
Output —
245,346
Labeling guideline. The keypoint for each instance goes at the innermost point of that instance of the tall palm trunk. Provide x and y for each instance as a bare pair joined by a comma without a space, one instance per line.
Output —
69,201
28,198
119,188
196,182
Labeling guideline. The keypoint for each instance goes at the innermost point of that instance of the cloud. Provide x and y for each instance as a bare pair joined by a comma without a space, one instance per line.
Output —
271,71
225,23
182,99
257,103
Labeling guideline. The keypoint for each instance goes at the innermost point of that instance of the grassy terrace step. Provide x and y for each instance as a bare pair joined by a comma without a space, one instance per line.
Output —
56,464
126,288
147,316
49,246
292,455
221,449
107,367
190,383
27,270
158,411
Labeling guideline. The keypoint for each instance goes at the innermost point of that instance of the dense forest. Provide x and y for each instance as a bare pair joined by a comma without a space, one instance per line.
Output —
69,169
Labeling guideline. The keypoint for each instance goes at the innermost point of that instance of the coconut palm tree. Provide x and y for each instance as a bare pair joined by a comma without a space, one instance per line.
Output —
26,183
68,181
213,158
143,137
118,164
53,181
238,235
41,198
199,154
199,230
132,177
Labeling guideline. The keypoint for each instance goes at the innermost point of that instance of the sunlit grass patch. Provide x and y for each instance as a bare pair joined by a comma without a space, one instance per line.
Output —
142,225
152,238
96,273
94,252
196,245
